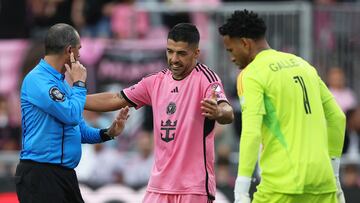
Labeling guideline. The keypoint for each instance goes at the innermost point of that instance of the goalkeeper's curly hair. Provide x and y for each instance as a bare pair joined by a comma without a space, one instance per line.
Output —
244,24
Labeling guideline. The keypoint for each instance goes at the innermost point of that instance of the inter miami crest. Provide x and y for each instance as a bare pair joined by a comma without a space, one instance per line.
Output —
56,95
171,108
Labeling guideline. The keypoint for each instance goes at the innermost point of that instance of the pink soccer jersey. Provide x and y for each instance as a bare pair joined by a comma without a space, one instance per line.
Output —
184,139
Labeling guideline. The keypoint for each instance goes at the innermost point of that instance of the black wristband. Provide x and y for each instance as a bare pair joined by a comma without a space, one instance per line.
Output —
104,135
79,83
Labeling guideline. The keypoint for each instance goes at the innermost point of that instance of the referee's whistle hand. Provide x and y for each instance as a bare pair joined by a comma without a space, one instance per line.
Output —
77,71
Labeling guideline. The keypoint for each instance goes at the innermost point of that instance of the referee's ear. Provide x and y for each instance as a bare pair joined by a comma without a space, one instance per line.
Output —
68,50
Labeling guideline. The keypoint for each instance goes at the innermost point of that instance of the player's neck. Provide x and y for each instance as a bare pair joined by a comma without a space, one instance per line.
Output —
260,46
56,62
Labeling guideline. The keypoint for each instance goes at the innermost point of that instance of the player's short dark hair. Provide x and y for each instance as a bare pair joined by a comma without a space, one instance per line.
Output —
244,24
59,36
185,32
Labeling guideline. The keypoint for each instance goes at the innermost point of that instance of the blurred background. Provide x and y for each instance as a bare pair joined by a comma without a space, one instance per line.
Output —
124,40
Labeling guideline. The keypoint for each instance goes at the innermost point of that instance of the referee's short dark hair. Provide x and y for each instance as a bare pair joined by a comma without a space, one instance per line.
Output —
59,36
185,32
244,24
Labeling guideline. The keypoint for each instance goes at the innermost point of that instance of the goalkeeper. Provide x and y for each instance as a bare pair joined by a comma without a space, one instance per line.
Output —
287,109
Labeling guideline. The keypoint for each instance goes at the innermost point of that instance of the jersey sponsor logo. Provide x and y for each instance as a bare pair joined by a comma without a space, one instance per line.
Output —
168,127
56,95
171,108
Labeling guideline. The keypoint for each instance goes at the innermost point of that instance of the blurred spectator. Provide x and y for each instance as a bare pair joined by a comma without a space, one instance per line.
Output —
324,35
45,13
98,165
350,176
136,169
201,19
127,23
97,14
345,96
354,120
11,59
224,179
347,100
88,170
9,135
352,140
13,24
170,19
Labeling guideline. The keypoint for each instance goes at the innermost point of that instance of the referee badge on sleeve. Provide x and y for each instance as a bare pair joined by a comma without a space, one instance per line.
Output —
56,95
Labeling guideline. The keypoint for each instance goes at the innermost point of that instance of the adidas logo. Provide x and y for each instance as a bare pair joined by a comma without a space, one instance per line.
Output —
175,90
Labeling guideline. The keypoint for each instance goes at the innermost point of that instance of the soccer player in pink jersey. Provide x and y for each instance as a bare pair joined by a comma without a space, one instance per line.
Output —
187,99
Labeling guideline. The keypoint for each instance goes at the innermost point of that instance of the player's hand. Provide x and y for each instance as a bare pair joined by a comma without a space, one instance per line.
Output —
119,123
241,190
210,108
335,162
77,71
339,193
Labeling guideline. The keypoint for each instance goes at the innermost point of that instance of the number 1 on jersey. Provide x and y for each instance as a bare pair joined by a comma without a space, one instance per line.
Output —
299,79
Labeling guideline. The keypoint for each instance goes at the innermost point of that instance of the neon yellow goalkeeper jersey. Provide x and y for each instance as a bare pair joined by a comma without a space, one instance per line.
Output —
287,109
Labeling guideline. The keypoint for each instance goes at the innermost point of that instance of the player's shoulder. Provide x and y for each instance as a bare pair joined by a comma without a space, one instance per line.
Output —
206,74
158,74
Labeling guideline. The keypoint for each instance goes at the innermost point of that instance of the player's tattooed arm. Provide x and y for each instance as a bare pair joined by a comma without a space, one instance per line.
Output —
106,101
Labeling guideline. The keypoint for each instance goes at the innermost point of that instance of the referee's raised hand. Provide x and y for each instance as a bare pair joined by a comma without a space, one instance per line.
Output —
119,123
77,71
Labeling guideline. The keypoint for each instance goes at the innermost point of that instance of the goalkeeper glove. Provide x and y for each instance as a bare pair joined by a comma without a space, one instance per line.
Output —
335,162
241,190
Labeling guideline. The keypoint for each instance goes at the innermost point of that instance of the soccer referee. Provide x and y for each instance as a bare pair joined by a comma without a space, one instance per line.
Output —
53,125
287,109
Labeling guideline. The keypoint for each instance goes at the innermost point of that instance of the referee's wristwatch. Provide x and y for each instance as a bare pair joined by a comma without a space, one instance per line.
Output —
104,134
79,83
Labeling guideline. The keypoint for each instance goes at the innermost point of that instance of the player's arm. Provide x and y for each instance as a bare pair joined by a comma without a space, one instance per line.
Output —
226,113
336,123
335,120
136,96
252,104
106,101
220,111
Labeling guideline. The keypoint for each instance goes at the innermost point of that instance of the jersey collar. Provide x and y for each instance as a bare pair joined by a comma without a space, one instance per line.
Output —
51,70
265,51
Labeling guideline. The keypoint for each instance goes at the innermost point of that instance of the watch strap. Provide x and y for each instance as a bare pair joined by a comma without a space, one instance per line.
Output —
79,83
